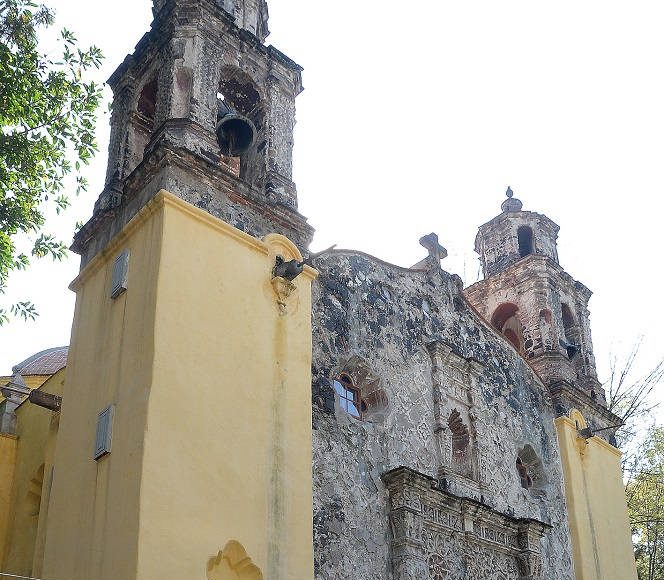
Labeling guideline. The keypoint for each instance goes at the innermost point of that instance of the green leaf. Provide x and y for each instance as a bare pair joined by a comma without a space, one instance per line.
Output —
47,110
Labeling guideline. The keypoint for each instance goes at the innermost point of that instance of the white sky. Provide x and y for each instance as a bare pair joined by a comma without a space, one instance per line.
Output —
417,116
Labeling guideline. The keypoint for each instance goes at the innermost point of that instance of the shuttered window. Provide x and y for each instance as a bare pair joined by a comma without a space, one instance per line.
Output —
119,277
104,432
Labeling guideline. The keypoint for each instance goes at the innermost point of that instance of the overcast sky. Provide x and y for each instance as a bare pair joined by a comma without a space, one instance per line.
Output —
416,117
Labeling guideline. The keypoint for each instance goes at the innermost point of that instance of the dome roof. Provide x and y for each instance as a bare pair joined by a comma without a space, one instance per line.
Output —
46,362
511,203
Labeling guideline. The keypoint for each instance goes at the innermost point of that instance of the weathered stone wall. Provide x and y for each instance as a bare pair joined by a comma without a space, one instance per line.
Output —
389,317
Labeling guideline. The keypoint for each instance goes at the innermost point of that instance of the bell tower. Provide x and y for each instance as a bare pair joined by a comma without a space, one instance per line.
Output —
184,444
200,80
538,307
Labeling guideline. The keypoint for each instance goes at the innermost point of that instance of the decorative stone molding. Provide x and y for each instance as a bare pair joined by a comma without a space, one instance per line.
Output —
427,521
454,380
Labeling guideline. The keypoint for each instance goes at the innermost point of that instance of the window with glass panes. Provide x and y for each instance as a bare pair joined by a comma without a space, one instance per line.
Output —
349,396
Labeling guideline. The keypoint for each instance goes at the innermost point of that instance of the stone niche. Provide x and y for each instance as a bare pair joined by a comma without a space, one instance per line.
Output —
440,536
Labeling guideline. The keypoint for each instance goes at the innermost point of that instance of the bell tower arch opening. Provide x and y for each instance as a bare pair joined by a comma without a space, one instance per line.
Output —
241,125
506,321
525,239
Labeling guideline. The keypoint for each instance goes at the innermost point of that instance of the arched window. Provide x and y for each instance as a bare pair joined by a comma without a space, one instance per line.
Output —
34,494
350,398
525,237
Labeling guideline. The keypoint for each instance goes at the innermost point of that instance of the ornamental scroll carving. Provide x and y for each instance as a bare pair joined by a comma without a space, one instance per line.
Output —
437,535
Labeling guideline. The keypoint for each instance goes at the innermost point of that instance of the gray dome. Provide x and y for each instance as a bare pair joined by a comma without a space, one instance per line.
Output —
46,362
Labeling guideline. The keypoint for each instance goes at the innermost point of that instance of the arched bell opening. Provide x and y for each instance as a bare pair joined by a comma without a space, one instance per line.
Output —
147,102
525,239
571,341
506,321
241,126
142,124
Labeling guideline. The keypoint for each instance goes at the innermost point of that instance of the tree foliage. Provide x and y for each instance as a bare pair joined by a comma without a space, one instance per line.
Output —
645,501
47,111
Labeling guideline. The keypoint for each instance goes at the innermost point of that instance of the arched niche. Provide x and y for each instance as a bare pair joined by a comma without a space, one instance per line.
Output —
578,418
233,563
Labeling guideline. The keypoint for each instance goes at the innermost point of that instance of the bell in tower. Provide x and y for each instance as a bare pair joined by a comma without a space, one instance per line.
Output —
527,297
204,110
187,447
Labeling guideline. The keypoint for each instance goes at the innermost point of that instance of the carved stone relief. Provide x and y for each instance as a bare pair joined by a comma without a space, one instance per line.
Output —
441,536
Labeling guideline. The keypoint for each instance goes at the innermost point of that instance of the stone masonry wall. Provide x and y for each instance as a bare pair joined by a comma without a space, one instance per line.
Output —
386,316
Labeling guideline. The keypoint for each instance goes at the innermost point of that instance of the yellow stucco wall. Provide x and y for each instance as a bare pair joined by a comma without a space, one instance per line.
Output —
36,431
7,468
596,504
211,379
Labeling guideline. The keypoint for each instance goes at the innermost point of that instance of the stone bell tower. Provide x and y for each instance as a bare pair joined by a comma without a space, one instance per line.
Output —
529,298
184,447
202,56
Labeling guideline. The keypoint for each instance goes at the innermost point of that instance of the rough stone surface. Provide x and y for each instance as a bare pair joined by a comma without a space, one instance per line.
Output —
433,355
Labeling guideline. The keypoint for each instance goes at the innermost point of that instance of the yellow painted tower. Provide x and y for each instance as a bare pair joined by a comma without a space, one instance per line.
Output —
184,447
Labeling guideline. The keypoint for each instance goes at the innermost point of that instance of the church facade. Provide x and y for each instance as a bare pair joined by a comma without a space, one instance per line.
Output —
237,408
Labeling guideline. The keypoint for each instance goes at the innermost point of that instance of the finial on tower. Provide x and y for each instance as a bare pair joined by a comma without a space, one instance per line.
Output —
511,203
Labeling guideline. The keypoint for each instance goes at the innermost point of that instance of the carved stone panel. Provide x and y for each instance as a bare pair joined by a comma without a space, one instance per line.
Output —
440,536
